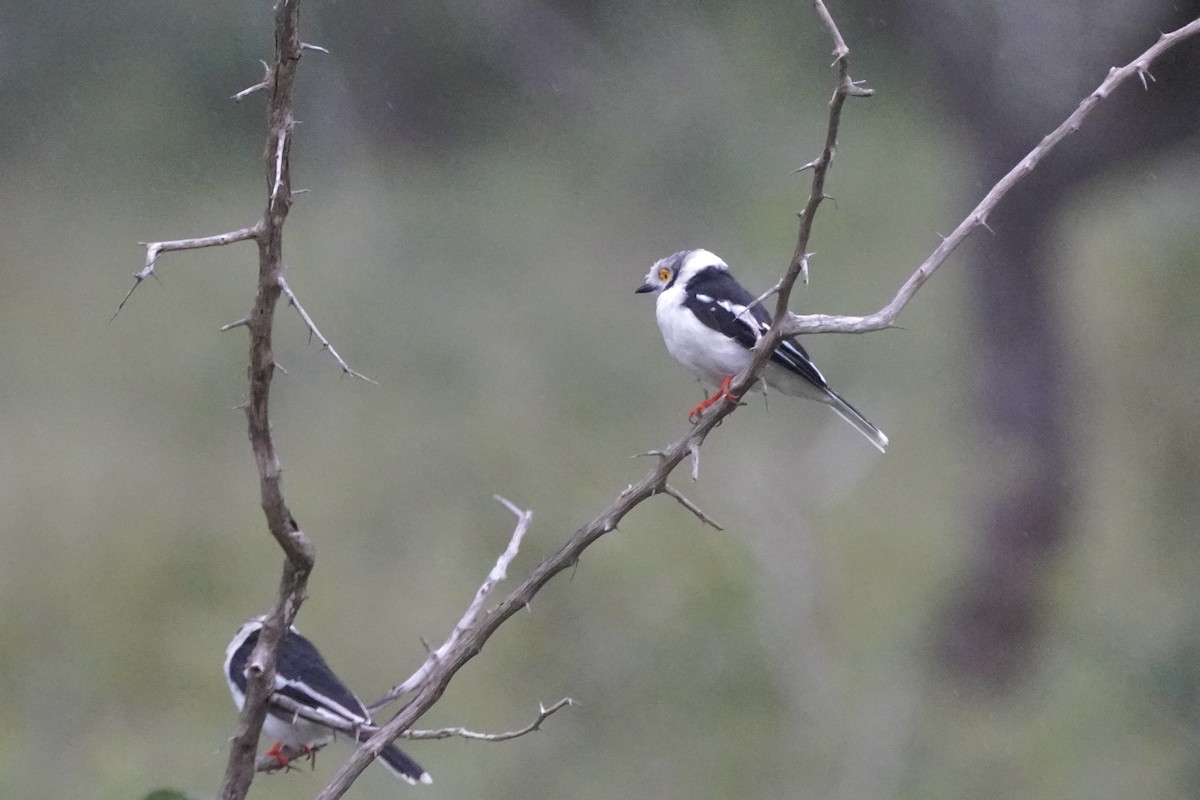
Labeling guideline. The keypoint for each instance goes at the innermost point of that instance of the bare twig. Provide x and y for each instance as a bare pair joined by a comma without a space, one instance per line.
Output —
292,707
805,257
265,83
840,50
544,713
281,147
499,573
297,547
690,506
673,492
312,327
846,87
886,316
436,675
268,233
758,300
154,248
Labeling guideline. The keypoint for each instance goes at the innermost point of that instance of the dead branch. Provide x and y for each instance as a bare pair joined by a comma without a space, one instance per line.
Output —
437,673
886,316
265,83
312,328
690,506
464,626
845,87
298,549
282,703
154,248
478,624
544,713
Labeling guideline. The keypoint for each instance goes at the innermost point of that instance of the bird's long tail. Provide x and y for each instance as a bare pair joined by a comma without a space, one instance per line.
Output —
860,423
400,765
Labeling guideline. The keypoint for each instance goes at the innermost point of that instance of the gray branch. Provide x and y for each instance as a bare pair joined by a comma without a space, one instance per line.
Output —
471,615
313,329
886,316
690,506
289,707
440,672
479,623
265,83
154,248
544,713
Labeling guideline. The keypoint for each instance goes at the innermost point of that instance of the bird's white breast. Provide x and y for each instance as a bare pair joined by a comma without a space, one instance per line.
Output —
295,732
706,353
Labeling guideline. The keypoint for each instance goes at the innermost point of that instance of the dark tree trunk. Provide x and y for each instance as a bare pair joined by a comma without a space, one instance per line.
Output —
1011,72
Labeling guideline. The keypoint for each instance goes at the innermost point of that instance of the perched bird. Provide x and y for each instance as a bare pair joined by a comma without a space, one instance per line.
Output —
709,326
303,676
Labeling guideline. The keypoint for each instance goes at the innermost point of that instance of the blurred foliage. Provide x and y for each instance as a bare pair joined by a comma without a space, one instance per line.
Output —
488,186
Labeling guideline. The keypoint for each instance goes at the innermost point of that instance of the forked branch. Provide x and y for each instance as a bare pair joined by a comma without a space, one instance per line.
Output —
289,707
479,623
886,316
438,673
474,609
298,549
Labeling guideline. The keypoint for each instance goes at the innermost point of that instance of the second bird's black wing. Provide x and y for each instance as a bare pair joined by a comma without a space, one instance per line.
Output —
320,688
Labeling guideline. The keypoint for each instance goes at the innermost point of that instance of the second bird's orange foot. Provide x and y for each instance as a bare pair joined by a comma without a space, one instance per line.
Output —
277,754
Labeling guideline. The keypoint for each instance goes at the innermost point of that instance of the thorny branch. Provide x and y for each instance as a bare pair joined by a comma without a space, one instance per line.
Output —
690,506
846,87
312,327
477,625
289,706
451,658
262,85
886,316
267,232
297,547
471,615
544,713
154,248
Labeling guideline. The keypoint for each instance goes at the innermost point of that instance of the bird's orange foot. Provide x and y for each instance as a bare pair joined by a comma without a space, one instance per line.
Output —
277,753
720,394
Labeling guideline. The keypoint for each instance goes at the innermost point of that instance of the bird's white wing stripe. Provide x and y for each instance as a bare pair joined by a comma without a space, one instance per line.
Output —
328,707
742,313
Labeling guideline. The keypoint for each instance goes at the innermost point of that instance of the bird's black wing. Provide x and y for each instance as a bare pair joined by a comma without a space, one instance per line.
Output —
302,675
720,302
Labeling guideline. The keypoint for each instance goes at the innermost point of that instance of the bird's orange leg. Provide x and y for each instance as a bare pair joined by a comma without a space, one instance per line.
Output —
721,394
276,753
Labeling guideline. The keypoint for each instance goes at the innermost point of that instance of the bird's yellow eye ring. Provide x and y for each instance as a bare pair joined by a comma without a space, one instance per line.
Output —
664,274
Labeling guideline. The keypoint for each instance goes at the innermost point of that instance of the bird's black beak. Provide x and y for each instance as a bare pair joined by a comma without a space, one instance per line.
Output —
645,287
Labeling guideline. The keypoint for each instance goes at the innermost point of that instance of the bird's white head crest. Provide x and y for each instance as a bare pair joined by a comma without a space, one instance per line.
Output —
679,267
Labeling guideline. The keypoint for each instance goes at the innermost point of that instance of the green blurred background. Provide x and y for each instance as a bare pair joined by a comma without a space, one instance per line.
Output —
488,186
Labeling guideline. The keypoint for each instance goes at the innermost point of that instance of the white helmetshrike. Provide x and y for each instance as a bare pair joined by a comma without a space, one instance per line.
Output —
709,326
